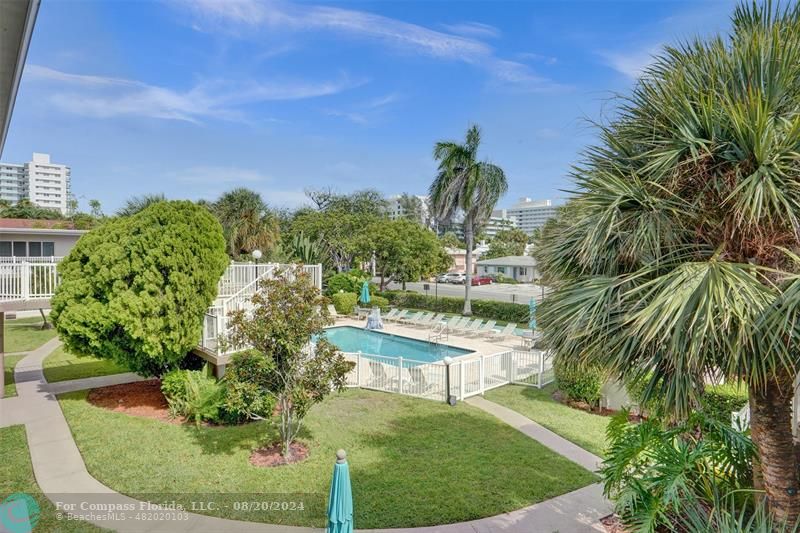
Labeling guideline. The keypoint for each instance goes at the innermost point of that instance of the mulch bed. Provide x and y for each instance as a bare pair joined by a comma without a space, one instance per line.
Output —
142,398
270,456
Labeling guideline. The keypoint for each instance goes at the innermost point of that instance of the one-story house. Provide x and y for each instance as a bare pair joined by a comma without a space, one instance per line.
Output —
522,268
22,237
459,256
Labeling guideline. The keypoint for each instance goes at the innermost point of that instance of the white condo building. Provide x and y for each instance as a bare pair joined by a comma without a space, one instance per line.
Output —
529,214
44,183
394,209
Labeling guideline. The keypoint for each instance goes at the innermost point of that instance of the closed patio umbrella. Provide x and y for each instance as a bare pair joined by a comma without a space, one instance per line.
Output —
364,297
340,501
532,314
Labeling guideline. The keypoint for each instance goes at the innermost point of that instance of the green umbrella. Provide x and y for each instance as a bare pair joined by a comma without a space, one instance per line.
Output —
532,314
340,501
364,298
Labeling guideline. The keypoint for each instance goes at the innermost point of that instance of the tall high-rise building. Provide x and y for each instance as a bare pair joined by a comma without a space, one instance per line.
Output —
529,214
43,183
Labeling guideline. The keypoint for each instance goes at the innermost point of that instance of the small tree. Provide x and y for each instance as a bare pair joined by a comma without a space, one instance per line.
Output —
288,312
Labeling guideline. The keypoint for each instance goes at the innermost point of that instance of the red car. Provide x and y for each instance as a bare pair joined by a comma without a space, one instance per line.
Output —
481,280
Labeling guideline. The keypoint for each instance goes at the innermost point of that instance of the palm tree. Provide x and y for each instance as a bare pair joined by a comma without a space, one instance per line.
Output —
246,222
677,256
134,204
464,184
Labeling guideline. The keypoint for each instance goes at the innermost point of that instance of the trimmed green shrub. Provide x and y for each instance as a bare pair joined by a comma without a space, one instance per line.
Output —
379,301
505,311
344,302
580,383
135,289
247,388
719,401
173,386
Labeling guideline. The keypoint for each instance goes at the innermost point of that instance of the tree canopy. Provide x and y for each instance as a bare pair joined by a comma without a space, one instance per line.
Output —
135,289
507,242
404,250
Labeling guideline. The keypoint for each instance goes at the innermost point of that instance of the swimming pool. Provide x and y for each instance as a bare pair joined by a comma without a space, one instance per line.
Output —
351,339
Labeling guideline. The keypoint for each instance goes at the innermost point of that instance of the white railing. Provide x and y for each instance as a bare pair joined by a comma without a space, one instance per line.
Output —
235,291
31,278
469,376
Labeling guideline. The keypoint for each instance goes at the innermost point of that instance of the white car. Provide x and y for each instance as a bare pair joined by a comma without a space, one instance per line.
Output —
456,277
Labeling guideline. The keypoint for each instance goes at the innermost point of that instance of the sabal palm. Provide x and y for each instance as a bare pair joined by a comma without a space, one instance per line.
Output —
467,185
675,258
246,222
136,204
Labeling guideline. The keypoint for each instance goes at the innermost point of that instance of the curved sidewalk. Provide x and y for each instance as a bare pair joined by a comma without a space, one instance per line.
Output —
62,475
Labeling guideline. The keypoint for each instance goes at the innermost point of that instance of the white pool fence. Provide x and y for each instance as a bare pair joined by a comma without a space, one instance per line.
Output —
468,375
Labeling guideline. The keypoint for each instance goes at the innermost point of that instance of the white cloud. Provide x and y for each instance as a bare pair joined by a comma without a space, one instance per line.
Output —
473,29
540,58
352,116
632,64
104,97
253,16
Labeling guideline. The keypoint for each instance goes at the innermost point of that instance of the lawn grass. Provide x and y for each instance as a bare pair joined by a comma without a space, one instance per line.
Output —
587,430
412,462
62,365
8,374
25,334
16,475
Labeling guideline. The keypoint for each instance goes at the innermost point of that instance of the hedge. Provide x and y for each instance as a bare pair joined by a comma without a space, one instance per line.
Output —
581,383
344,302
490,309
720,401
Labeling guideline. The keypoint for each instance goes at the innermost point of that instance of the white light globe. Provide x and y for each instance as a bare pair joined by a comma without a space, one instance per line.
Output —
256,254
448,360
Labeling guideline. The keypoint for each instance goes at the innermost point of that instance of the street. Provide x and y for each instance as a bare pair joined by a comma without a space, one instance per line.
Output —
500,292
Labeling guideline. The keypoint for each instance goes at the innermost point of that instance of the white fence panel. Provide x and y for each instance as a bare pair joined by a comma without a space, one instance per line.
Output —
21,279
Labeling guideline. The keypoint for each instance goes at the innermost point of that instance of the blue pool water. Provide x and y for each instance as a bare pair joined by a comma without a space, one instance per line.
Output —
350,339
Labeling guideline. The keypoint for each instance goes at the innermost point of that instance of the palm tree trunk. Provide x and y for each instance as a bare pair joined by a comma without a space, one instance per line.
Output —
468,238
771,423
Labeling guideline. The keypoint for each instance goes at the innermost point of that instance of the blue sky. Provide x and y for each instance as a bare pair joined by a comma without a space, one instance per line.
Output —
191,98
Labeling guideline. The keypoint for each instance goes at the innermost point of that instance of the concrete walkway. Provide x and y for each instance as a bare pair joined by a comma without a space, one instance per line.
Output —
555,442
62,475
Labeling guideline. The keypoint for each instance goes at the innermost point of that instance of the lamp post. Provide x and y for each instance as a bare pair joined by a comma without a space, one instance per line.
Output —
256,255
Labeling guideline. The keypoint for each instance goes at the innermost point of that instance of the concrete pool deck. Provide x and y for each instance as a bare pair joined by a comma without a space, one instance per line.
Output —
478,345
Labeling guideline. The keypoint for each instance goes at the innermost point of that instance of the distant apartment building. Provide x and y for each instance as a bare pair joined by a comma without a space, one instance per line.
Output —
530,214
43,183
395,209
499,221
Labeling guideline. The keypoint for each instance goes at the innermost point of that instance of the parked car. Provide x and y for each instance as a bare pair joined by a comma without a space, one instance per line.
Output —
456,277
442,278
481,280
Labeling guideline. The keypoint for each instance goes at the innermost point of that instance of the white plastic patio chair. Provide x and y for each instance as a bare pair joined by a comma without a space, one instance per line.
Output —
507,331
